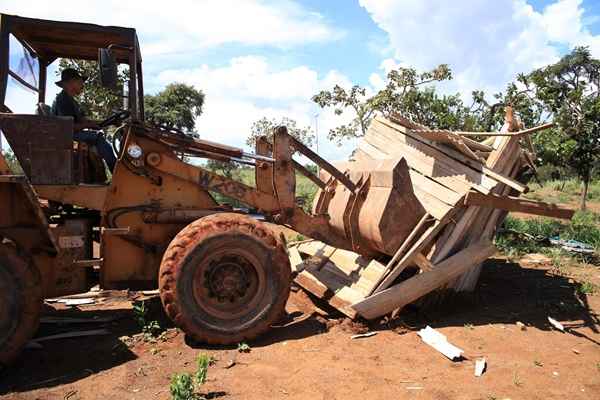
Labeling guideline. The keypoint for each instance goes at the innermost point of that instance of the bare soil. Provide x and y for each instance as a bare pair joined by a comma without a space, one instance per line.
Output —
310,354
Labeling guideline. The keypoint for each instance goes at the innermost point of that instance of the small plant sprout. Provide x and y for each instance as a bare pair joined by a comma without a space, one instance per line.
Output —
587,288
517,381
182,387
203,362
243,347
150,329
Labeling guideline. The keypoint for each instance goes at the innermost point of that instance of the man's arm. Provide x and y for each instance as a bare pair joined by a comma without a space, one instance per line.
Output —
85,124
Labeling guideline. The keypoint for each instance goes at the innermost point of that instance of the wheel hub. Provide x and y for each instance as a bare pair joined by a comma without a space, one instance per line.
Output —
227,279
227,284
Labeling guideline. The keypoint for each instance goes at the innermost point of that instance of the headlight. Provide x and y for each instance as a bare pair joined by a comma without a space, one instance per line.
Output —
134,151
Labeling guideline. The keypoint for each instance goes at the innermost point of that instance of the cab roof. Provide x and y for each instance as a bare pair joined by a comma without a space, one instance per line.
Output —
57,39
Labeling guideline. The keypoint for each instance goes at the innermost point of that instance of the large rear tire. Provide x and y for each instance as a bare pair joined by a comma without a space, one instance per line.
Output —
20,303
225,278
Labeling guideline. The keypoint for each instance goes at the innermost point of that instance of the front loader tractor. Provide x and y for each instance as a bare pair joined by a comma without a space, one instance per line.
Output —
223,276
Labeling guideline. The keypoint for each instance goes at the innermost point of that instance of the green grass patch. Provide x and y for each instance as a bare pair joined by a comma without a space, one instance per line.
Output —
305,189
522,236
563,191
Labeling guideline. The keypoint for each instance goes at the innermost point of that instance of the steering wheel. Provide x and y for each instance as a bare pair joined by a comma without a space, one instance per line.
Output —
115,119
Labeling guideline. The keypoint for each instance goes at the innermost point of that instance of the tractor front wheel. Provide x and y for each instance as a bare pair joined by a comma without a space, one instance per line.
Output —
20,303
225,278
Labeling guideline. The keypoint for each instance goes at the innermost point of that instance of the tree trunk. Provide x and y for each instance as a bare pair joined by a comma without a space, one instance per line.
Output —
586,184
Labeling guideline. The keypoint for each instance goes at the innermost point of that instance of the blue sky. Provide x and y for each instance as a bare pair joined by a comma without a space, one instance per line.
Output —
256,58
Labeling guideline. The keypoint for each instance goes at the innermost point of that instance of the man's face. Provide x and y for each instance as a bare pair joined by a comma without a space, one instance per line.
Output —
74,87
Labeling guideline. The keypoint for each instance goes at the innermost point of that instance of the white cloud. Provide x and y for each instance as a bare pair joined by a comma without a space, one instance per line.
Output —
181,25
486,43
249,88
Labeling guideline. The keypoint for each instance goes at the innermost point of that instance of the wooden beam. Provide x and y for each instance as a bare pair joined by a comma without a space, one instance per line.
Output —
419,285
422,262
419,245
400,252
516,204
487,134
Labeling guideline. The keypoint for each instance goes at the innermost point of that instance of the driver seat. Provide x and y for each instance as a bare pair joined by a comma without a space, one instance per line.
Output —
88,166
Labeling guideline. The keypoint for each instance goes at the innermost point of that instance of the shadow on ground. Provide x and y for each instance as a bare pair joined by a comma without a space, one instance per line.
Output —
506,293
68,360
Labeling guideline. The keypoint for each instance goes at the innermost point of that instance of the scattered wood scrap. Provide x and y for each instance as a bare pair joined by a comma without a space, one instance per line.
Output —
480,366
67,335
439,342
556,324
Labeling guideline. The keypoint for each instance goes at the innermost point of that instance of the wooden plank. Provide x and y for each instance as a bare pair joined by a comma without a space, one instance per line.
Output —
427,159
516,204
419,285
441,192
341,300
316,248
407,123
438,153
296,261
517,133
432,204
422,262
419,162
400,252
478,166
451,139
419,245
456,235
358,272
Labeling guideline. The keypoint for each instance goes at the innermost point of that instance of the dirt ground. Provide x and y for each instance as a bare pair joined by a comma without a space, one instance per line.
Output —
311,355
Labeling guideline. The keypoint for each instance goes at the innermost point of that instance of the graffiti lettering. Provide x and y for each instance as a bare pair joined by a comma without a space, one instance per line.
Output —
218,184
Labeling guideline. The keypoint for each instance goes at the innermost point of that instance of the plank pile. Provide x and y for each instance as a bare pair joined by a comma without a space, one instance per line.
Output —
466,188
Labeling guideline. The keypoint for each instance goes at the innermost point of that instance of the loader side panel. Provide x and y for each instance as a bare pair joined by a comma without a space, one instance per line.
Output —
134,239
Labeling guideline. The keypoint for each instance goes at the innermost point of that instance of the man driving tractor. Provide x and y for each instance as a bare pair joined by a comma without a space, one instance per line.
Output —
83,128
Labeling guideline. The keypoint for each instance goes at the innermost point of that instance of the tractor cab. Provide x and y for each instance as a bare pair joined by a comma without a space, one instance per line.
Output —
42,142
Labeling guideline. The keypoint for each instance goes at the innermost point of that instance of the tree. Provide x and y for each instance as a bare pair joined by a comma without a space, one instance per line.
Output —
12,162
490,117
176,106
403,94
266,127
225,168
570,90
97,101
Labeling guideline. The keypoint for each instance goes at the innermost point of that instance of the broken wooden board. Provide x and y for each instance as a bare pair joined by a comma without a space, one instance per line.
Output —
450,138
336,265
419,285
394,270
516,204
340,277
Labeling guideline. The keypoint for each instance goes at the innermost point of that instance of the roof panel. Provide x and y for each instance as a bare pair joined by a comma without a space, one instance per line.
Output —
68,39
